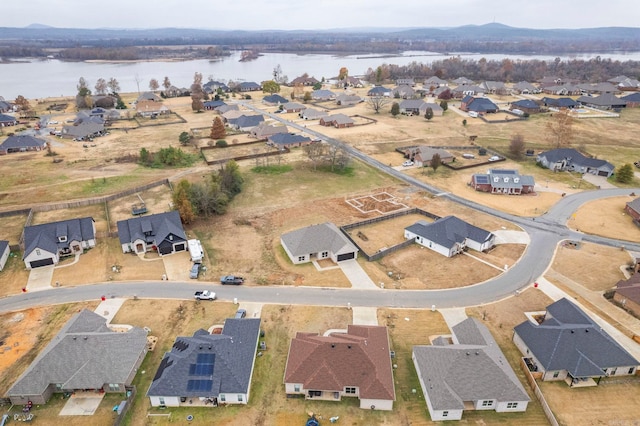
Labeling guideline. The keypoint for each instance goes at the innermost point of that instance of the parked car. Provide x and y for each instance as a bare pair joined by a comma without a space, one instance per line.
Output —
231,279
195,271
205,295
495,158
241,313
407,163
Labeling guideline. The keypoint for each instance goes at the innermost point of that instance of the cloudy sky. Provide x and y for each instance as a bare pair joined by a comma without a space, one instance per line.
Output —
318,14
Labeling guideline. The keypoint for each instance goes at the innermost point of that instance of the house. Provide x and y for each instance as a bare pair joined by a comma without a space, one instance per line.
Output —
627,294
463,81
469,373
477,104
501,181
604,101
213,105
403,92
22,143
293,107
348,81
632,208
274,100
151,109
449,236
162,232
232,114
245,123
413,107
249,86
174,92
83,131
566,344
46,243
435,108
379,91
85,355
405,82
222,109
422,155
287,140
525,88
494,87
467,90
148,96
628,84
632,100
324,241
435,82
345,99
212,86
600,88
560,103
323,95
264,130
547,81
525,105
568,159
563,90
338,121
4,253
208,369
5,106
352,364
304,80
312,114
7,120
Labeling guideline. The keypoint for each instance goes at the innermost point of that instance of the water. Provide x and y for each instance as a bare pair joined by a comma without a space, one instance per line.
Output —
48,78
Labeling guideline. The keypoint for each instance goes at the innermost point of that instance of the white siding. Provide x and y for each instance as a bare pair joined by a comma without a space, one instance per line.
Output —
169,401
290,388
439,415
428,244
233,398
378,404
43,255
3,257
502,407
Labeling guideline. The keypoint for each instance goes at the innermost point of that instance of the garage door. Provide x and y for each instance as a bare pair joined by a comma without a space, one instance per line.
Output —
41,262
181,247
346,256
603,173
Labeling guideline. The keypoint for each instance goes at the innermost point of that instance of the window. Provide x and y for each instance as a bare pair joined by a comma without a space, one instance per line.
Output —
38,252
114,387
161,400
631,370
301,258
487,403
511,405
59,386
556,374
62,239
445,413
222,397
296,388
240,397
350,390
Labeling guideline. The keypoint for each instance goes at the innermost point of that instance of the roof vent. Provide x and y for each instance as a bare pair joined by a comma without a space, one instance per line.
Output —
85,337
477,353
468,354
572,331
349,346
586,331
333,345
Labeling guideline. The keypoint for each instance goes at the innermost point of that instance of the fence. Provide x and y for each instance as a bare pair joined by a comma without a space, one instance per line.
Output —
538,393
284,150
131,394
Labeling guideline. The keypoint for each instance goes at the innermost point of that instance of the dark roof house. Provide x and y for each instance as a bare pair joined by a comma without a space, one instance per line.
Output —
22,143
323,241
478,104
449,236
274,99
604,101
569,159
162,232
287,140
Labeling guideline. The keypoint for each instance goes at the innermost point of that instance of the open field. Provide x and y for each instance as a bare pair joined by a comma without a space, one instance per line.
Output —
12,227
606,217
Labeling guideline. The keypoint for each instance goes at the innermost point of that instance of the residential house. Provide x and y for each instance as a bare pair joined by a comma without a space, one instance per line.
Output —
628,84
249,86
566,344
469,373
568,159
352,364
632,100
5,106
46,243
245,123
264,130
22,143
467,90
345,99
232,114
274,100
208,369
85,355
405,82
222,109
599,88
338,121
633,209
304,80
494,87
5,250
312,114
175,92
502,181
604,101
563,90
403,92
435,82
422,155
161,232
7,120
287,140
525,105
151,109
435,108
478,104
324,241
413,107
148,96
547,81
293,107
449,236
379,91
463,81
627,294
323,95
559,103
212,86
348,81
213,105
525,88
83,131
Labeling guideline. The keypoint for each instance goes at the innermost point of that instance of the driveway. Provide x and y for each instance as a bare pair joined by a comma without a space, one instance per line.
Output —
511,237
177,266
356,275
365,316
40,278
82,404
599,181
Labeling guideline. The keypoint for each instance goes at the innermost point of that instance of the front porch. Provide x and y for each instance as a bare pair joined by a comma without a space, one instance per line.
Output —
581,382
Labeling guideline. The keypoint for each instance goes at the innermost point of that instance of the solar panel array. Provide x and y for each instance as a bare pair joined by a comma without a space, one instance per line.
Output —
200,385
482,178
200,369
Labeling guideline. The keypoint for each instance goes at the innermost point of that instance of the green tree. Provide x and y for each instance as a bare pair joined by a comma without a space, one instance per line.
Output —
184,138
83,89
317,86
230,179
395,109
435,162
428,114
218,130
624,174
270,87
145,156
444,105
464,122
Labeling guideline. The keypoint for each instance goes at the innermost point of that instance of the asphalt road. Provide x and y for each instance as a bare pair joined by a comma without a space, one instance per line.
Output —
545,233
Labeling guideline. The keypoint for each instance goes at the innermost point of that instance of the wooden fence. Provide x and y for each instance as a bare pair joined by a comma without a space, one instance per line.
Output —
538,393
131,394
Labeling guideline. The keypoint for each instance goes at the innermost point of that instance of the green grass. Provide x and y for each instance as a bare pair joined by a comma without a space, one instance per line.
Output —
106,185
273,170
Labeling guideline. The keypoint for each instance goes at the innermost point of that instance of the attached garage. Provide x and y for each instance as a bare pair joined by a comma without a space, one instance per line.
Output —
346,256
41,262
603,173
181,247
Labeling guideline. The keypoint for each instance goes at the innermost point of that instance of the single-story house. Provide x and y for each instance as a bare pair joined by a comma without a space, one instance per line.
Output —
245,122
348,81
379,91
222,109
604,101
304,80
478,104
347,100
274,100
627,294
85,355
592,88
322,95
7,120
502,181
566,344
405,81
213,86
435,108
151,109
467,90
494,87
628,84
525,105
232,115
249,86
323,241
568,159
413,107
264,130
4,253
633,209
83,131
287,140
46,243
208,370
162,232
174,92
338,121
463,81
312,114
403,92
293,107
632,100
352,364
148,96
562,90
422,155
22,143
434,81
5,106
449,236
471,372
525,88
560,103
212,105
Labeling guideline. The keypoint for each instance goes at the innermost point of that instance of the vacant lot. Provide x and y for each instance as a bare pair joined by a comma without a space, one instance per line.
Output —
606,217
12,227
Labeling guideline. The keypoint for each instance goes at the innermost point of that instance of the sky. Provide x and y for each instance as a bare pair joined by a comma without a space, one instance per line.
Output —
318,14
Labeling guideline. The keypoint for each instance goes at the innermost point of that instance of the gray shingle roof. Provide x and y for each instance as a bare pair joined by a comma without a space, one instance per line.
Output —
21,141
525,103
507,178
569,340
449,230
160,226
315,239
45,236
479,104
635,205
574,157
634,97
475,369
275,99
86,354
287,139
230,354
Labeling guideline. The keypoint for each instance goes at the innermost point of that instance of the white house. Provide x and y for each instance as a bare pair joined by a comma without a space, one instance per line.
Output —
324,241
4,253
449,236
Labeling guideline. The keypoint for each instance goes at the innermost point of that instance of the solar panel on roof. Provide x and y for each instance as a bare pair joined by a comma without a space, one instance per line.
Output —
482,179
200,385
200,369
205,358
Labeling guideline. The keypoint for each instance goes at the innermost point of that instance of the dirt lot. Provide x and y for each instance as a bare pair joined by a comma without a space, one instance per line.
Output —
606,217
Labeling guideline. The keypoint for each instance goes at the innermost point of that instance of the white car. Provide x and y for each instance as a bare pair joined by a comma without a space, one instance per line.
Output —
495,158
407,163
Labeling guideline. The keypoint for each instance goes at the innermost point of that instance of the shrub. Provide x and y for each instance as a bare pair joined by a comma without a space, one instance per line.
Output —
221,143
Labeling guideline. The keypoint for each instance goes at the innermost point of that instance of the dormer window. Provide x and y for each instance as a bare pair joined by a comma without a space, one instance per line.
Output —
62,239
506,179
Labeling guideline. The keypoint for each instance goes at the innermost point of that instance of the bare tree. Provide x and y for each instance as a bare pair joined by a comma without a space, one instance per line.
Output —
376,103
153,84
516,145
114,86
166,83
560,129
197,93
315,152
435,162
101,86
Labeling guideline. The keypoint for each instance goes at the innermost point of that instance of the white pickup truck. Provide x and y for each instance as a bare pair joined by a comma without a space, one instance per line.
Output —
205,295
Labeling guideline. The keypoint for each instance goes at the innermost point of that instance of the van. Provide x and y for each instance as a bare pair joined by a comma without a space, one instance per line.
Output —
468,156
473,114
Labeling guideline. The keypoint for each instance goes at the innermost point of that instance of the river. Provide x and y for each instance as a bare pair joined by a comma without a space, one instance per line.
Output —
50,77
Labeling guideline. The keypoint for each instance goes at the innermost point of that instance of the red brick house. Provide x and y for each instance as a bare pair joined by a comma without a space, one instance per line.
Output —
338,121
633,209
628,294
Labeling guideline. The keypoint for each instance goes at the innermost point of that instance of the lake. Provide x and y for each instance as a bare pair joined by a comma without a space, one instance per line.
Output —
50,77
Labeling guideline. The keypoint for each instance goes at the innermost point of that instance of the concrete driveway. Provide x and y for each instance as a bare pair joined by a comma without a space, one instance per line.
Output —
82,404
177,266
356,275
40,278
511,237
365,316
599,181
